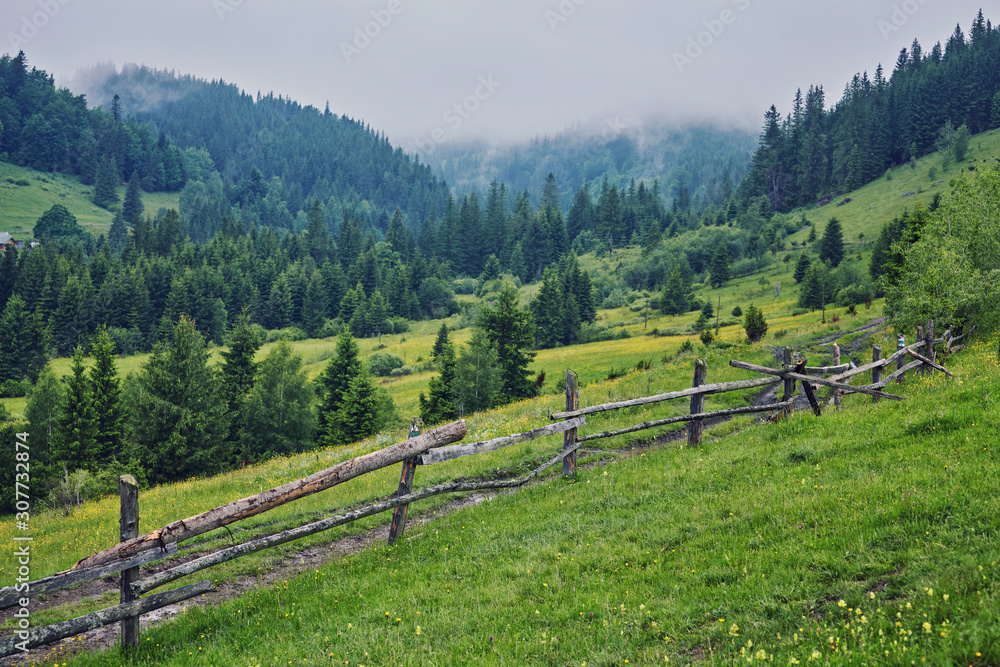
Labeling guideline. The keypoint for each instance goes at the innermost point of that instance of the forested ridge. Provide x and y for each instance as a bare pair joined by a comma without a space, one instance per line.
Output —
931,99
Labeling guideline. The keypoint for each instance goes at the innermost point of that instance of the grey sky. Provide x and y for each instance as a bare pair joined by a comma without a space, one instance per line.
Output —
515,68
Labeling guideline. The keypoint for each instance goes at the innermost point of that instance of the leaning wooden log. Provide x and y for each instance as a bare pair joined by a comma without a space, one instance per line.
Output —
9,596
50,633
717,388
178,531
684,418
925,360
848,389
820,370
899,372
225,555
807,389
458,451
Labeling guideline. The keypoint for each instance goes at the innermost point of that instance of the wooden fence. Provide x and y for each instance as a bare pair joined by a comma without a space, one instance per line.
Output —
434,447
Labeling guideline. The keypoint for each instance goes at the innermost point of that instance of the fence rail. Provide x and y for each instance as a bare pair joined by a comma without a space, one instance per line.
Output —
427,449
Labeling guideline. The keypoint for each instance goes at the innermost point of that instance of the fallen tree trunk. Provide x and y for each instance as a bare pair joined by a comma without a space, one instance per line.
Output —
472,449
178,531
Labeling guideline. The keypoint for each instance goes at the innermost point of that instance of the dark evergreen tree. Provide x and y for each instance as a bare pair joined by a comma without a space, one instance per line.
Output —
719,269
179,418
75,442
801,267
334,382
277,415
674,298
239,370
118,234
133,206
548,310
42,412
106,184
58,223
477,375
22,339
831,246
440,342
440,406
358,417
754,324
107,395
511,332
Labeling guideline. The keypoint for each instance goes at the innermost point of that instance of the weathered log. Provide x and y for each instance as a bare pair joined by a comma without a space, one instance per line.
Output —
9,596
789,393
76,626
838,394
900,372
684,418
472,449
928,362
224,515
876,369
225,555
697,403
398,525
128,526
819,370
848,389
717,388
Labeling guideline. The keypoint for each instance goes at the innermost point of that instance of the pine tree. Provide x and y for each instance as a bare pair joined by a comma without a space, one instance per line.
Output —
118,234
440,407
133,206
315,306
358,417
831,246
318,236
238,370
754,324
106,184
108,406
673,298
801,267
75,442
719,268
334,381
511,332
179,417
812,233
548,311
440,342
22,339
277,414
812,295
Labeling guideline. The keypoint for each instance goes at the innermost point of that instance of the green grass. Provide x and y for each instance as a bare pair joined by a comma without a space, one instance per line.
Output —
22,205
837,537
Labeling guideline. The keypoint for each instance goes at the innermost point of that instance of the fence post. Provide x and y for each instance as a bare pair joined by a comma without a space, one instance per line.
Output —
900,344
697,403
128,527
789,383
398,525
929,350
877,371
807,387
920,339
838,394
569,437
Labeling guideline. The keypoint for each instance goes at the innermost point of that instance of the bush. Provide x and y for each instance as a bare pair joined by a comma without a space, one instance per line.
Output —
397,325
595,333
290,334
331,329
706,337
382,365
404,370
616,299
755,325
737,312
686,346
855,294
464,286
586,242
799,311
127,341
15,388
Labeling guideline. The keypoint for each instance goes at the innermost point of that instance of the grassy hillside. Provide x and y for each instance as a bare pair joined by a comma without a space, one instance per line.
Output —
26,194
864,537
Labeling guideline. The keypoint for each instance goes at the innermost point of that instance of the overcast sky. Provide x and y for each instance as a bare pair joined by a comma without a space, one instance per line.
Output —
430,70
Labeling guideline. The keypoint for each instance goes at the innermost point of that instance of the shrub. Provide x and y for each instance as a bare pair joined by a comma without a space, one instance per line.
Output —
382,365
331,329
706,337
755,325
464,286
127,341
290,334
397,325
686,346
799,311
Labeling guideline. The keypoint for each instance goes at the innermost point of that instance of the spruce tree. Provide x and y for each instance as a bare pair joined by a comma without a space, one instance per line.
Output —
315,306
333,383
75,442
106,184
719,268
179,417
511,332
238,370
118,234
831,246
440,342
358,417
440,405
673,298
549,312
107,392
801,267
42,412
22,339
133,206
811,294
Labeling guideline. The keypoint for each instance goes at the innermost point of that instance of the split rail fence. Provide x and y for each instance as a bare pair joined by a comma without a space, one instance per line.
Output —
436,446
